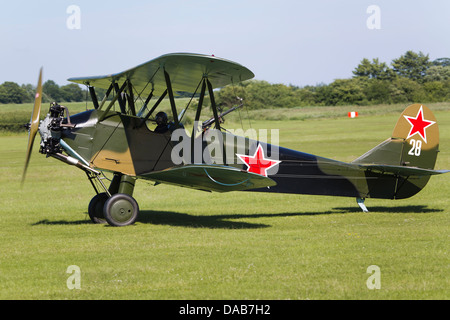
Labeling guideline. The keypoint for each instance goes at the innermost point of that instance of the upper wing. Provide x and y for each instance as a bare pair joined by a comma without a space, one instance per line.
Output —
186,70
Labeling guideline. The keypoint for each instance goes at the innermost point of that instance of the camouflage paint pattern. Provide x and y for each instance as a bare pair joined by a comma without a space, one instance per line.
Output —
120,144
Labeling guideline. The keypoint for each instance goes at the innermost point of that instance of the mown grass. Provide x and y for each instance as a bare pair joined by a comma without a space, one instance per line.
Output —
190,244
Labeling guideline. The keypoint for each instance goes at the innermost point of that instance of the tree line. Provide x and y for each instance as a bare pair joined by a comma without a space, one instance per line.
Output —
412,77
11,92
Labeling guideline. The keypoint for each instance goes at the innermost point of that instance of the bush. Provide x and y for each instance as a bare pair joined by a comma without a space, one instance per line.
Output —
11,92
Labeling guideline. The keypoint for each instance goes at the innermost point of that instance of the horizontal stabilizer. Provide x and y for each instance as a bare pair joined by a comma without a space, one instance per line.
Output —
401,170
211,178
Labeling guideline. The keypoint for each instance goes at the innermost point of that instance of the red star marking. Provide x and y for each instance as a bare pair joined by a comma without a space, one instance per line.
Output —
258,163
418,125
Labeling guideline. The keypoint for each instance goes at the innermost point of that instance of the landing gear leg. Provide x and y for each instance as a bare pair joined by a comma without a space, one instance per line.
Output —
95,209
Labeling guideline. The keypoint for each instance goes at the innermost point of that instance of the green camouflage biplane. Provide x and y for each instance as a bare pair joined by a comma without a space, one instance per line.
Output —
125,135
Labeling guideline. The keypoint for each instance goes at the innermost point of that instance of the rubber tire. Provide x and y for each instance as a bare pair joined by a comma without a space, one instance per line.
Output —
95,209
121,210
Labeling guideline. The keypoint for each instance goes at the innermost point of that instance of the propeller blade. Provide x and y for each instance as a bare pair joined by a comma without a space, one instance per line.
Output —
34,124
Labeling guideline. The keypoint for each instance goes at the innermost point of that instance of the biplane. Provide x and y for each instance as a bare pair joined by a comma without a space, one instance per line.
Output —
135,141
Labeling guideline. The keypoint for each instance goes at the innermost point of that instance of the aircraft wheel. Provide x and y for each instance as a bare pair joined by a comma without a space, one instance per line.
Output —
121,210
95,209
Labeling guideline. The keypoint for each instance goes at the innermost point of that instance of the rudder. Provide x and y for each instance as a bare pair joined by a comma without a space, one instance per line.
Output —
414,144
418,127
414,141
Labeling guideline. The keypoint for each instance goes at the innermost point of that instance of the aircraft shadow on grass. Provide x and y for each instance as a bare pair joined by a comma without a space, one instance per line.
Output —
178,219
396,209
212,221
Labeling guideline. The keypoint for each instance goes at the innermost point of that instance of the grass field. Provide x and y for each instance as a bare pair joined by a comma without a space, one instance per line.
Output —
190,244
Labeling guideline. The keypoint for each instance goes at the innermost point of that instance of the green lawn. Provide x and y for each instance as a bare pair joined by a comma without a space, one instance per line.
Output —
190,244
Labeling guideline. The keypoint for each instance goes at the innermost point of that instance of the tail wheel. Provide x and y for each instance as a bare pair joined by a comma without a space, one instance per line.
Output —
95,208
120,210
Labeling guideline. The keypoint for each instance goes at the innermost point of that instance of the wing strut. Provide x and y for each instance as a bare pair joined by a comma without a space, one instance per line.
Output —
153,108
130,97
216,117
93,97
200,103
116,97
144,107
213,105
108,92
197,117
171,97
119,96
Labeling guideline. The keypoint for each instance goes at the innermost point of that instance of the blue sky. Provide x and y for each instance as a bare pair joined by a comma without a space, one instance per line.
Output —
286,41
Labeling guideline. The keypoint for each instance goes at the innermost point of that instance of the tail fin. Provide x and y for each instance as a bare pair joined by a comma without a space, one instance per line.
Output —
419,129
414,142
410,154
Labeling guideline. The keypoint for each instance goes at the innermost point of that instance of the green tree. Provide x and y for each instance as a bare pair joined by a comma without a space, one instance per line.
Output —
407,91
31,92
11,92
438,73
373,70
71,93
307,95
347,91
378,91
444,62
434,91
323,94
412,65
51,91
260,94
227,96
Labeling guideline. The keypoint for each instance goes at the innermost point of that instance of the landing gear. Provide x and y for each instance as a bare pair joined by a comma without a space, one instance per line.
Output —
115,206
360,202
121,210
95,209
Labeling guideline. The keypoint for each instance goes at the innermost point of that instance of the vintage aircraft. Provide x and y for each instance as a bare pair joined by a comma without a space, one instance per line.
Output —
122,142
